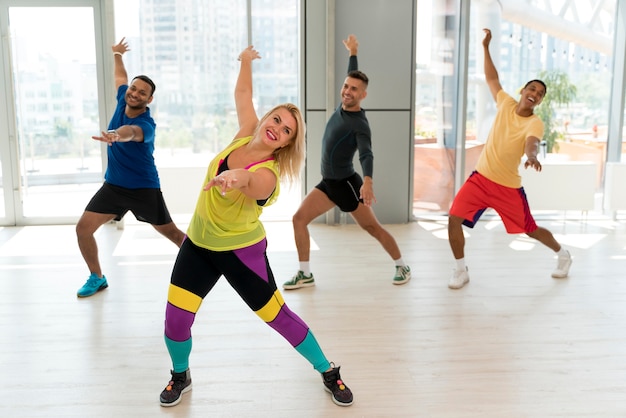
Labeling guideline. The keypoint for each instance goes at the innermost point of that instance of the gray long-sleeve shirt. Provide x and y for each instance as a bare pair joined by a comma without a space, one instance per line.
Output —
345,133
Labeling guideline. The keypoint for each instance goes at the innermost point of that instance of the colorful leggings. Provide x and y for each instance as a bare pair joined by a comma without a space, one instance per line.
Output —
247,270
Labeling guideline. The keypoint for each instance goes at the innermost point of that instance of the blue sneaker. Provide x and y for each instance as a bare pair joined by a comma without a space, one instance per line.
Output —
93,285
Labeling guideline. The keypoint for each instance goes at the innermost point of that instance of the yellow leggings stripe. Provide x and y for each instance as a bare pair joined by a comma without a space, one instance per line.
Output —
271,308
183,299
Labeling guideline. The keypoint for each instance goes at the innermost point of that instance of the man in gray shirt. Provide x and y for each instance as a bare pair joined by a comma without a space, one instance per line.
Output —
346,131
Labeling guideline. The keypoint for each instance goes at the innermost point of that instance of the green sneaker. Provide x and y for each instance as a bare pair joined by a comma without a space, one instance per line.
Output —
298,281
403,275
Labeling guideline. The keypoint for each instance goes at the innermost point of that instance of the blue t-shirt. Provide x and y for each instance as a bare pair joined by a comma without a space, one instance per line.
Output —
131,164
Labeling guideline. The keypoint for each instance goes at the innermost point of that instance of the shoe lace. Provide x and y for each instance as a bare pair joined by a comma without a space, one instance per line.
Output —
459,273
334,379
401,271
176,381
92,281
332,374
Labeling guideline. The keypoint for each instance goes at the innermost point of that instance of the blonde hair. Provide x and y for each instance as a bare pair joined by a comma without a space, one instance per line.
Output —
290,158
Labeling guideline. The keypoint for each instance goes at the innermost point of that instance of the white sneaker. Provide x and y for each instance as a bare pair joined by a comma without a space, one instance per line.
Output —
562,268
459,279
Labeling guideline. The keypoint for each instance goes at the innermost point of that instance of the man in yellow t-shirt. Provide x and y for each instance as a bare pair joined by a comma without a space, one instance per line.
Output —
496,182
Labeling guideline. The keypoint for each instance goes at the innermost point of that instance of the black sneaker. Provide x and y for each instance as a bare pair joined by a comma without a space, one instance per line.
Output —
173,392
342,396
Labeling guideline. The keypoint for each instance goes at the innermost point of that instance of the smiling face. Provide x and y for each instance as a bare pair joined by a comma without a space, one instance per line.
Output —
352,92
278,129
138,95
532,95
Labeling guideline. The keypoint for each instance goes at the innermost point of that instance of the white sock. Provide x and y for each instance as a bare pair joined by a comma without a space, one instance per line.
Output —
305,268
562,253
399,262
460,264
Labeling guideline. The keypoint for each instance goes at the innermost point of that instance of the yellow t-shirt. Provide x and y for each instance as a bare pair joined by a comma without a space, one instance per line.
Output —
229,222
503,151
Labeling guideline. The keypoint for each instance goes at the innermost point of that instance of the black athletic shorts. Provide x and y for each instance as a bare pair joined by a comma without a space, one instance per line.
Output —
147,205
343,193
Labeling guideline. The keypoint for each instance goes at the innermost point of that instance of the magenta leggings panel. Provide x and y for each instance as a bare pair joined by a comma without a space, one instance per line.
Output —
178,323
290,326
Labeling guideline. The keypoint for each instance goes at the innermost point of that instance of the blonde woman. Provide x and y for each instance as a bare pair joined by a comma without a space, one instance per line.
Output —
226,237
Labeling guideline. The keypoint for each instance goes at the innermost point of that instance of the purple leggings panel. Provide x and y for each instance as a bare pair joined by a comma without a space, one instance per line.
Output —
249,256
290,326
178,323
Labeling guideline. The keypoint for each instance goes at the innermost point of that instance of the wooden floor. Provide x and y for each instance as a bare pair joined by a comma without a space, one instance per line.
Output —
513,343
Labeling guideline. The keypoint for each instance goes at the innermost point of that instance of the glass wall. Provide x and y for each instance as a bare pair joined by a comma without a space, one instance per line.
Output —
56,109
575,111
572,55
190,49
435,105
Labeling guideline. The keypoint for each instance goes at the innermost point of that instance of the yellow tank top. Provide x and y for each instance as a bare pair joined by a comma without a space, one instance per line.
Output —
229,222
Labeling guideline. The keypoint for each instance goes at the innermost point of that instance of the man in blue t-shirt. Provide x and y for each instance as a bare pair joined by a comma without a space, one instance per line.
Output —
346,131
131,181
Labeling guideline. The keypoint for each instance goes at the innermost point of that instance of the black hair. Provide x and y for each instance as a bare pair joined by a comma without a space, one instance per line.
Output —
146,79
540,82
359,75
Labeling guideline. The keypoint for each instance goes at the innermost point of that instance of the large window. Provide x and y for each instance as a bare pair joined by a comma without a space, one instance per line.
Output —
436,106
52,108
51,104
572,55
190,49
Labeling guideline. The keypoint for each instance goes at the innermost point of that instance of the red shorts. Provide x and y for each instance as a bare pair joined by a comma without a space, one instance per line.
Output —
479,193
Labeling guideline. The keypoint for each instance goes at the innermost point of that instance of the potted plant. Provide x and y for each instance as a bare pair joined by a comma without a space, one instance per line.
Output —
560,92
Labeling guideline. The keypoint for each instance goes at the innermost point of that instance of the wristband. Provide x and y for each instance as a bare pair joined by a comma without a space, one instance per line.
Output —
117,53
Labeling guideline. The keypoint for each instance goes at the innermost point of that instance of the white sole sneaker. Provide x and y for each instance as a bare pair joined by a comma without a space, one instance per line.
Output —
562,268
458,279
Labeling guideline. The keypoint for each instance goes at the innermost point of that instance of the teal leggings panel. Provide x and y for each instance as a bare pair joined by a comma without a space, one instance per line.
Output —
179,352
310,350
